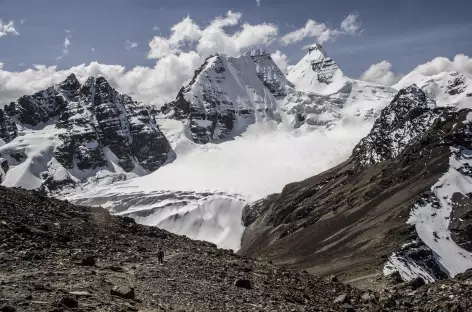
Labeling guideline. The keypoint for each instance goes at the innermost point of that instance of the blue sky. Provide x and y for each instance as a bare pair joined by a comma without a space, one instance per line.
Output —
404,32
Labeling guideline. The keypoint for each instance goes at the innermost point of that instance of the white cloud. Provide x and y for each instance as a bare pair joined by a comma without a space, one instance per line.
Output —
93,49
130,45
258,2
67,31
322,33
23,21
351,25
1,65
461,63
155,28
8,28
381,73
213,38
65,47
281,60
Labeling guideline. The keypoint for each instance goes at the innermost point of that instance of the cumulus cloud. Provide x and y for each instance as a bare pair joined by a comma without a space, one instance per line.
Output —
212,38
129,45
381,73
258,2
322,33
9,28
461,63
281,60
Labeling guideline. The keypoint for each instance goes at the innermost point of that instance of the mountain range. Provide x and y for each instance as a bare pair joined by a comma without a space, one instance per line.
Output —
385,171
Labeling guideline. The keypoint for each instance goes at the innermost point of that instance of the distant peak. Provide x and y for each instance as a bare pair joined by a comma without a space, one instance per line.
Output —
257,52
317,47
71,83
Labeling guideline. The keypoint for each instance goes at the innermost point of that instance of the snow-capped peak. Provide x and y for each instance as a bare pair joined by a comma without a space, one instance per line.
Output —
316,49
317,72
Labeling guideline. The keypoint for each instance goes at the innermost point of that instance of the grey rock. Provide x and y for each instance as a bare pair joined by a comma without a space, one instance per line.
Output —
123,291
341,298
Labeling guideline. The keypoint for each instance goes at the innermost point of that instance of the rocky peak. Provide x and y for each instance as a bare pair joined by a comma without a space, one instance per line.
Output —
71,84
316,71
407,117
317,49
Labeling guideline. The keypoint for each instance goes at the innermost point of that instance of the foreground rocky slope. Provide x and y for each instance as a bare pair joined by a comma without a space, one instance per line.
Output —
70,131
349,220
73,258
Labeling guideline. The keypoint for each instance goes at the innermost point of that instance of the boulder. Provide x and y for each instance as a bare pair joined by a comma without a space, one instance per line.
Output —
243,283
123,291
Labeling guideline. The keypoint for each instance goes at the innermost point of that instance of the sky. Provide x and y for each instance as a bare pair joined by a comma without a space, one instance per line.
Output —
145,45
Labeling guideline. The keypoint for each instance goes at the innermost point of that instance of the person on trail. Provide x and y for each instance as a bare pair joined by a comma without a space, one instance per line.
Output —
160,256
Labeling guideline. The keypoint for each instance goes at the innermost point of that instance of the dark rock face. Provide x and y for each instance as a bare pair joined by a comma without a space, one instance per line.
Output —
40,107
325,67
461,220
269,73
419,255
8,129
4,168
215,117
95,119
456,84
322,221
407,117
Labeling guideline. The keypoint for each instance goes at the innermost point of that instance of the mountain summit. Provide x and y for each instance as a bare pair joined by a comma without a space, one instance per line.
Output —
317,72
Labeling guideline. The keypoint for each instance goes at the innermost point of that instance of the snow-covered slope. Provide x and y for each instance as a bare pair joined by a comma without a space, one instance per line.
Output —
446,88
317,72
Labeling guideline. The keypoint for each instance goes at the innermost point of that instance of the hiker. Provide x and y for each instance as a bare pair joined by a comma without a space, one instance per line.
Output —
160,256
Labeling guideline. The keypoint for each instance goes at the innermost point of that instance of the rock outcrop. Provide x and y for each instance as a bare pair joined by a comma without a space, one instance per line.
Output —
8,129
